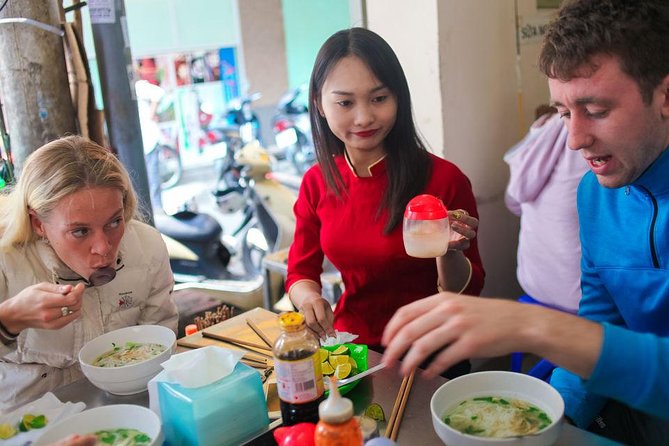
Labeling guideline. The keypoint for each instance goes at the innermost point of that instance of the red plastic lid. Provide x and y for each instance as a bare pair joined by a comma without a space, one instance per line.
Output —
425,207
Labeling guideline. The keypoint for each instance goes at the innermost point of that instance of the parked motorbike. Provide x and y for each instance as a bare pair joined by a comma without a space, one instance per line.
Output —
237,127
292,129
199,260
170,167
240,114
268,222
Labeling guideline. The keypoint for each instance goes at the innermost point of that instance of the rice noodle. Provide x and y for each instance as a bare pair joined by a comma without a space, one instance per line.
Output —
489,416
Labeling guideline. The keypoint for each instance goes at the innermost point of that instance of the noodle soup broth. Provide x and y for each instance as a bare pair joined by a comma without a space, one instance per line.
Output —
497,417
129,353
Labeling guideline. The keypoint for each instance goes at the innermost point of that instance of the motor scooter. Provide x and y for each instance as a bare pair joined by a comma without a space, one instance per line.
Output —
240,115
292,129
199,260
238,126
268,223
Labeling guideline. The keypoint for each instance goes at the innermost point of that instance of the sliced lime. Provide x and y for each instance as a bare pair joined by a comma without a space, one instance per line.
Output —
325,354
327,369
7,431
342,371
375,412
341,350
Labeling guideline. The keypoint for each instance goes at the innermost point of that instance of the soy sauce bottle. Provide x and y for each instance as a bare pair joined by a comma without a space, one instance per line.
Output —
298,370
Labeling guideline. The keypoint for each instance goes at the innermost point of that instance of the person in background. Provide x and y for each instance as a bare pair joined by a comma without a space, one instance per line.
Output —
542,192
371,162
609,80
75,262
148,98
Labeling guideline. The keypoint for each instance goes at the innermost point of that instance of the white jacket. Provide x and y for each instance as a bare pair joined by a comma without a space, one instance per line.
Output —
141,293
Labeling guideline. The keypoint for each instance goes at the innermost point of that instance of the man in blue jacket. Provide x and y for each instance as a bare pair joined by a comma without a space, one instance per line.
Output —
608,72
609,78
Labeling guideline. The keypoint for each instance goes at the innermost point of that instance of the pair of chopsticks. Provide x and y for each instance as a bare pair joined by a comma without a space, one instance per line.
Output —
393,428
242,343
248,358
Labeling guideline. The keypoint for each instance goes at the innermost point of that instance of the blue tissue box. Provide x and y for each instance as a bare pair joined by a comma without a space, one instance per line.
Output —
226,412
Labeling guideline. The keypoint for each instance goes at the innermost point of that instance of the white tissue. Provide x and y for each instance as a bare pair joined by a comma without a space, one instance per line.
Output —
48,405
194,368
341,337
202,366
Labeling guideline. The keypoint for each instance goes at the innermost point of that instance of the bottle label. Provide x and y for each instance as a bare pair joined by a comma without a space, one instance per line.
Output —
299,381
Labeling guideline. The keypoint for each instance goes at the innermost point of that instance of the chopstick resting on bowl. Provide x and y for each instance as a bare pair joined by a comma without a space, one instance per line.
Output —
393,428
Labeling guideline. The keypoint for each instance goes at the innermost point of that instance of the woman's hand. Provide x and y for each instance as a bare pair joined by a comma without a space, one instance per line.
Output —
463,229
44,305
318,315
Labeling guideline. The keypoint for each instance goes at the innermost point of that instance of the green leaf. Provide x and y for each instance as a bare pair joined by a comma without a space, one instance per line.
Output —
38,422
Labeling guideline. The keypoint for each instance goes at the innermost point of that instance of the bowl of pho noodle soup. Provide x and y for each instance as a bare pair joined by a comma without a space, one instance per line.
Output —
123,361
497,408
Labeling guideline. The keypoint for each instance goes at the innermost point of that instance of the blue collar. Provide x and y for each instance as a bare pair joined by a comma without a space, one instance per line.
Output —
656,177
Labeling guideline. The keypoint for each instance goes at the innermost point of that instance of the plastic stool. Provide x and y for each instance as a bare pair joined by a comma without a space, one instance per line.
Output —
543,368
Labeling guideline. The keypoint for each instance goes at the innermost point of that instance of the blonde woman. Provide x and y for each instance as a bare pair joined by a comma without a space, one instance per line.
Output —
75,262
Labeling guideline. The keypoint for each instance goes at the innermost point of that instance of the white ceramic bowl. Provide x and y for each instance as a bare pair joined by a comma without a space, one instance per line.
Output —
131,378
502,384
104,418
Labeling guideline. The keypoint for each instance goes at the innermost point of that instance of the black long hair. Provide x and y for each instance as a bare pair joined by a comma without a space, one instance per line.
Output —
407,160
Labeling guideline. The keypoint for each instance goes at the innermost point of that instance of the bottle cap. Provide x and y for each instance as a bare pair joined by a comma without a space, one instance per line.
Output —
190,329
335,409
291,319
425,207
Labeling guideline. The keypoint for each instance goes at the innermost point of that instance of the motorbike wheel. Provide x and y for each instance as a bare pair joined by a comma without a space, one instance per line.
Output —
254,249
170,167
302,156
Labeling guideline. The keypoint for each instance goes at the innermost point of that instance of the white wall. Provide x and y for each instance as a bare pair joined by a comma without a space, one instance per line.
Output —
412,31
469,101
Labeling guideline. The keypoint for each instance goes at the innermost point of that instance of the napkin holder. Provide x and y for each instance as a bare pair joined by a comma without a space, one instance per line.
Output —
228,411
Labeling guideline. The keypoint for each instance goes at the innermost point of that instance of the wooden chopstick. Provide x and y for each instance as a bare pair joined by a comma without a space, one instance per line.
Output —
235,341
398,408
260,333
256,359
255,365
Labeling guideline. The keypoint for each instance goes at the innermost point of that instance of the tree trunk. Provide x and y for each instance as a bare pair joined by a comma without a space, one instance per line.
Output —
33,78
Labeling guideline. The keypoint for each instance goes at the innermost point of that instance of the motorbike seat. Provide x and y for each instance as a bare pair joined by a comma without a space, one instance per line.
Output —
187,226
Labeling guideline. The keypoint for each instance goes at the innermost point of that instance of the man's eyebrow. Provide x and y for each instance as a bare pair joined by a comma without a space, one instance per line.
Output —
594,100
585,101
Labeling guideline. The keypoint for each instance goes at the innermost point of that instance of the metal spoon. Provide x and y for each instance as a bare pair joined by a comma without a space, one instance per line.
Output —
343,382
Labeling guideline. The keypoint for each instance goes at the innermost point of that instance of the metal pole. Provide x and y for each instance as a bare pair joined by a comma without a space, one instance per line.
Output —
33,76
112,48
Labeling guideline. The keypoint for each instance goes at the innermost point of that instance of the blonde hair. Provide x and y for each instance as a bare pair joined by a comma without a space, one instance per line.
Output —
52,172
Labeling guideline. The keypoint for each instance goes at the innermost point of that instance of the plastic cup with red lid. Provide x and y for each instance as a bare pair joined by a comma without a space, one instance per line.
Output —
426,230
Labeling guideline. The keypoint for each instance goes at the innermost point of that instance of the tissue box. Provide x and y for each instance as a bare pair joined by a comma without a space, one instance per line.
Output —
225,412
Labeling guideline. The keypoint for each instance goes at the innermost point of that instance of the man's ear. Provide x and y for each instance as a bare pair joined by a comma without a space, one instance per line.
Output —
664,90
36,223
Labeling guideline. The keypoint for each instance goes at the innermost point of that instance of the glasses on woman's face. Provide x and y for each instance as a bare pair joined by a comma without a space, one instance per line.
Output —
99,277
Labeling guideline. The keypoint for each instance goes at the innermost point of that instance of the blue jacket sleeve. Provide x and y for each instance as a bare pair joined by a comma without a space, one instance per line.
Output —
597,305
633,368
581,406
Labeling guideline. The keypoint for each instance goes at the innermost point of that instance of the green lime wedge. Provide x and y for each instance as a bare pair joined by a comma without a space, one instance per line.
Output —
375,412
